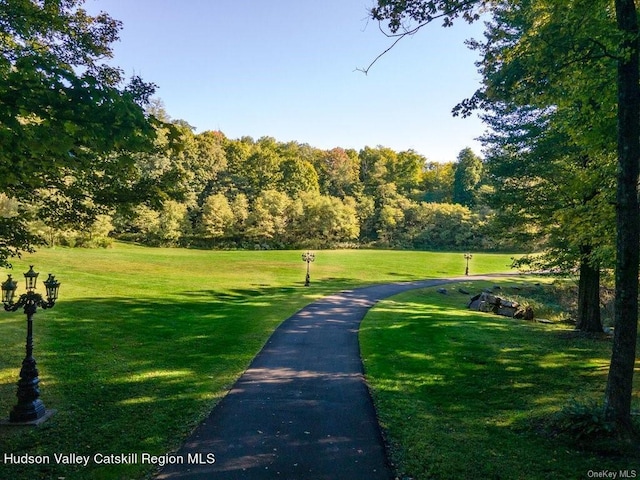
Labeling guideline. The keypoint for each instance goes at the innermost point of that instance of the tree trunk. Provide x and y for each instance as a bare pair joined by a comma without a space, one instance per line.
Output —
620,382
588,294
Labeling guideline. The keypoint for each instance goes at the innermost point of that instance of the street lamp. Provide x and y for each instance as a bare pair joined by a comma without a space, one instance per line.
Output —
30,408
308,257
467,257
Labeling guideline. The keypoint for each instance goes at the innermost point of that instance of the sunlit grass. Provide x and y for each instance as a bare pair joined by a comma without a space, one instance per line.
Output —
143,342
461,394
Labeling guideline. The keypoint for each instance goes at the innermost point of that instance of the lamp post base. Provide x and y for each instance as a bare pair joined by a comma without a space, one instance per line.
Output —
28,411
28,423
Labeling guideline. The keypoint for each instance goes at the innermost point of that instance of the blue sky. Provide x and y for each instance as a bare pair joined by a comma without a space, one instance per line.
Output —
287,69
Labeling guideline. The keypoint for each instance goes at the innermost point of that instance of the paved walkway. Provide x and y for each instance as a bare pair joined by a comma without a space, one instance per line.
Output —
302,410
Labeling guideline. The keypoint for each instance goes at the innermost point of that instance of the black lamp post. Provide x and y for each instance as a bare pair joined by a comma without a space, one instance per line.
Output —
467,257
30,408
308,257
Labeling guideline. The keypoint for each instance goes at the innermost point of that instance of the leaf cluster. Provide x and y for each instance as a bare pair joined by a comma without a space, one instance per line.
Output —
408,16
584,423
70,126
548,95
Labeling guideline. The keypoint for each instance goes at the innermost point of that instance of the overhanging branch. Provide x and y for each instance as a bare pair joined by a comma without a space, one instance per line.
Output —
448,14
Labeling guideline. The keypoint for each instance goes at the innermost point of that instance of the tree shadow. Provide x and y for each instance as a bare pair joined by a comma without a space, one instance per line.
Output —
443,378
138,374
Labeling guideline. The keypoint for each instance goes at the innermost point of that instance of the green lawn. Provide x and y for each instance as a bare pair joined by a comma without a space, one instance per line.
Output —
143,341
462,394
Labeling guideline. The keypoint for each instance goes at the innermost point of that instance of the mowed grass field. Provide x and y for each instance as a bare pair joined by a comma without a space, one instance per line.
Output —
463,394
143,342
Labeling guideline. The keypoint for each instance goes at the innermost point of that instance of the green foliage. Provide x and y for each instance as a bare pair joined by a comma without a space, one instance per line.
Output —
584,423
69,124
546,78
437,180
410,15
406,172
374,167
448,226
166,226
245,193
339,171
466,178
549,90
298,176
218,218
269,218
324,221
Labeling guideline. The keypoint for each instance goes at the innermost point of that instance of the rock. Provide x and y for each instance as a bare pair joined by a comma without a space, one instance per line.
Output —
485,307
463,291
509,304
478,301
487,302
474,302
443,291
507,311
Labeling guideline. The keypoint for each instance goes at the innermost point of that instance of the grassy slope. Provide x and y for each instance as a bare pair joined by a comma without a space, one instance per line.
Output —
143,342
460,393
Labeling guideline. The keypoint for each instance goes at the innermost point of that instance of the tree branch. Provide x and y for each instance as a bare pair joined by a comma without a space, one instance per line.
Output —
448,15
366,70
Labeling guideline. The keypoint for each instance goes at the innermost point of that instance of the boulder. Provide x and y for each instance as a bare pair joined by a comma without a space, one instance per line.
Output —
487,302
507,311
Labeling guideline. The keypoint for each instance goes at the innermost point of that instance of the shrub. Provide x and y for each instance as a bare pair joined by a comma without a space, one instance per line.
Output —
583,422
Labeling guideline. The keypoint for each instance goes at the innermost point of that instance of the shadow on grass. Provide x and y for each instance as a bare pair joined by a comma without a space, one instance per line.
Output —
444,377
137,375
462,363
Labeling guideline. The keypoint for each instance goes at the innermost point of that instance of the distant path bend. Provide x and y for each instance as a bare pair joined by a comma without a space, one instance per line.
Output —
302,410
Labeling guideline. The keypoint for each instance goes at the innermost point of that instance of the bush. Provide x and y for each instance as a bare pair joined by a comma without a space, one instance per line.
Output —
583,422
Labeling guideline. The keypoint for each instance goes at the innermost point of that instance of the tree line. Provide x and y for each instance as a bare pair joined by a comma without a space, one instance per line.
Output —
216,192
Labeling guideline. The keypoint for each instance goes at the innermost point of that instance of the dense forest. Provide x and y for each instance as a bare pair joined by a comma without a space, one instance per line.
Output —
215,192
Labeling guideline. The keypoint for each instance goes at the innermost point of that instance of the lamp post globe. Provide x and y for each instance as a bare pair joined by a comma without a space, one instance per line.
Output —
9,287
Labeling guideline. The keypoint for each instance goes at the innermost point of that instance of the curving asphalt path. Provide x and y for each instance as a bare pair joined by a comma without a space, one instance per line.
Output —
302,410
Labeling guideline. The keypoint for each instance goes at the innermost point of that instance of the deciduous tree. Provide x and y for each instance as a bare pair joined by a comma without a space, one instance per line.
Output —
217,216
67,121
580,40
466,178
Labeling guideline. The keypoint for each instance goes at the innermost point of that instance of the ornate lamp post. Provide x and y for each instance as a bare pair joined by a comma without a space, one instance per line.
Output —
30,408
467,257
308,257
